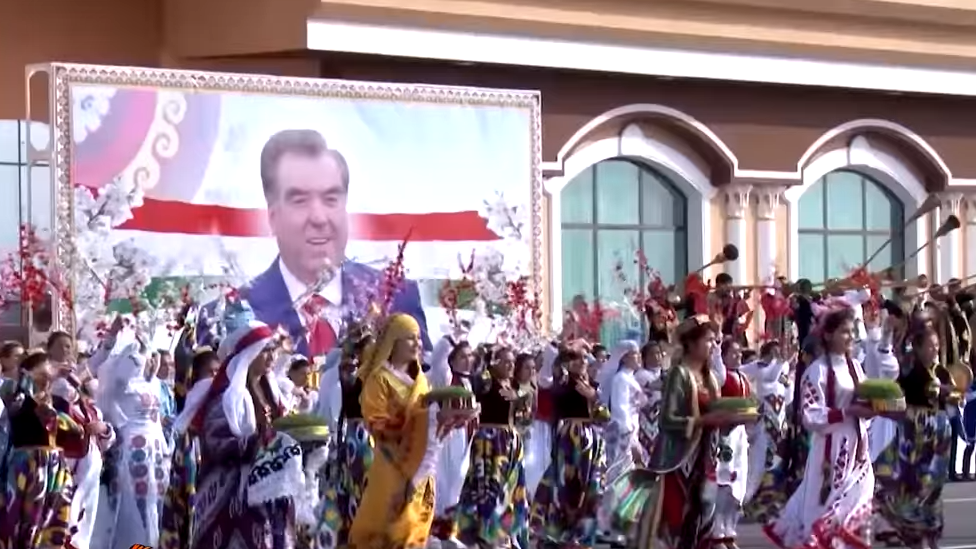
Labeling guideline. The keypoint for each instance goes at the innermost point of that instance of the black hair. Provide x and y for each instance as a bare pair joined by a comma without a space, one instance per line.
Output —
8,348
598,348
695,333
727,344
54,337
200,361
32,361
299,363
768,347
920,336
723,278
833,320
456,351
648,348
748,355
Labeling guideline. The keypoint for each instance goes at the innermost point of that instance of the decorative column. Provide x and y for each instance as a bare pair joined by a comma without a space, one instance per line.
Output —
950,245
766,245
736,204
970,228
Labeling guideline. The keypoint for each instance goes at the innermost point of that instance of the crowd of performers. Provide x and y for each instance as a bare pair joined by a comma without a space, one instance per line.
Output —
567,445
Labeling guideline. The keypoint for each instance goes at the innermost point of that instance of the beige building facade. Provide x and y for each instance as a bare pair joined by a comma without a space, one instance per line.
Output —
805,133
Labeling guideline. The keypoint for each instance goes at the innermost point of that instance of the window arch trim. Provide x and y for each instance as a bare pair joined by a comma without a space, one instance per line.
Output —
886,169
687,174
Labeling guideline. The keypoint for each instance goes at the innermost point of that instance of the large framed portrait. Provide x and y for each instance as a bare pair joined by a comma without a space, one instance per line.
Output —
263,178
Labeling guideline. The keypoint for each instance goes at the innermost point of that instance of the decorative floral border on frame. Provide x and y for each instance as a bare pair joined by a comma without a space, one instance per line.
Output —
63,75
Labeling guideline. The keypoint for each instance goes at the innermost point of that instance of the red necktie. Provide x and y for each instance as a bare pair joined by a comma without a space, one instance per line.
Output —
321,337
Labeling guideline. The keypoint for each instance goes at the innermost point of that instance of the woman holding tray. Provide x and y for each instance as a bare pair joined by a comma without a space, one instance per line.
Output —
397,508
671,502
910,498
234,422
833,504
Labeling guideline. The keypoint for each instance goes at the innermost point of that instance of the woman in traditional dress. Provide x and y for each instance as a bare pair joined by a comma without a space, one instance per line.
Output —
346,476
397,507
772,383
129,399
493,510
833,504
233,422
626,397
451,366
567,501
538,447
193,376
672,501
910,494
35,503
651,379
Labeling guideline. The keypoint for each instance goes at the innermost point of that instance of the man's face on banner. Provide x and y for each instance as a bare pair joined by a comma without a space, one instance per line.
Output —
308,215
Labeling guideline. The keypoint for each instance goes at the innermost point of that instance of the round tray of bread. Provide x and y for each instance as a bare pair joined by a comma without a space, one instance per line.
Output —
740,409
303,427
882,395
454,399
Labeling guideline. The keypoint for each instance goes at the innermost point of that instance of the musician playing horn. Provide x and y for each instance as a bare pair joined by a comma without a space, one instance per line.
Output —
733,308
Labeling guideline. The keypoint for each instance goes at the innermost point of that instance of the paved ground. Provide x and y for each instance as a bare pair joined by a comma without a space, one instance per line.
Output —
960,512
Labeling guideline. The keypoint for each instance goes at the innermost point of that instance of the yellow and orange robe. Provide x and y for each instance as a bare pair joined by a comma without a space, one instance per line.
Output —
397,508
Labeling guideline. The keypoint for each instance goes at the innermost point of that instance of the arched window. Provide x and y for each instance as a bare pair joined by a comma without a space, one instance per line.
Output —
843,219
608,212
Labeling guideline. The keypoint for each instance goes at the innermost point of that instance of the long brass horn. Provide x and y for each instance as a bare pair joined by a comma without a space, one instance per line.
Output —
950,224
930,204
729,253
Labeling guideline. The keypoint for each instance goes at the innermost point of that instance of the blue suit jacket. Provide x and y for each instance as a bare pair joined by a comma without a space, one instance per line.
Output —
268,296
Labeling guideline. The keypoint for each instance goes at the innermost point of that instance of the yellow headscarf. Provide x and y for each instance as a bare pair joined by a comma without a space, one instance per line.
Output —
398,326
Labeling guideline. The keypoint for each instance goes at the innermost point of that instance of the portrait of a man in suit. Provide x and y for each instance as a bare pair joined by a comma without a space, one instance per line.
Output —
306,186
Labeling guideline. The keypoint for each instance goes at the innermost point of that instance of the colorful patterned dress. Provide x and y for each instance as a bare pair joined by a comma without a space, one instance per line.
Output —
567,502
35,503
131,511
346,473
671,502
915,468
773,385
223,519
493,508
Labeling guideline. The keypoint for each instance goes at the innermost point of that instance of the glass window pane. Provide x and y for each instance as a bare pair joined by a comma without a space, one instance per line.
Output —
845,201
882,209
40,196
811,207
616,193
9,209
844,253
576,204
579,258
10,141
813,257
663,205
667,253
892,254
617,247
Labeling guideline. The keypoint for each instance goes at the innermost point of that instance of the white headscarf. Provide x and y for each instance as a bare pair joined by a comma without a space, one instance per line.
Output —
192,403
236,353
610,368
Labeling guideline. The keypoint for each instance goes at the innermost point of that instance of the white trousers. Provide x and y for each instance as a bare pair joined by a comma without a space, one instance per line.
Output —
728,510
